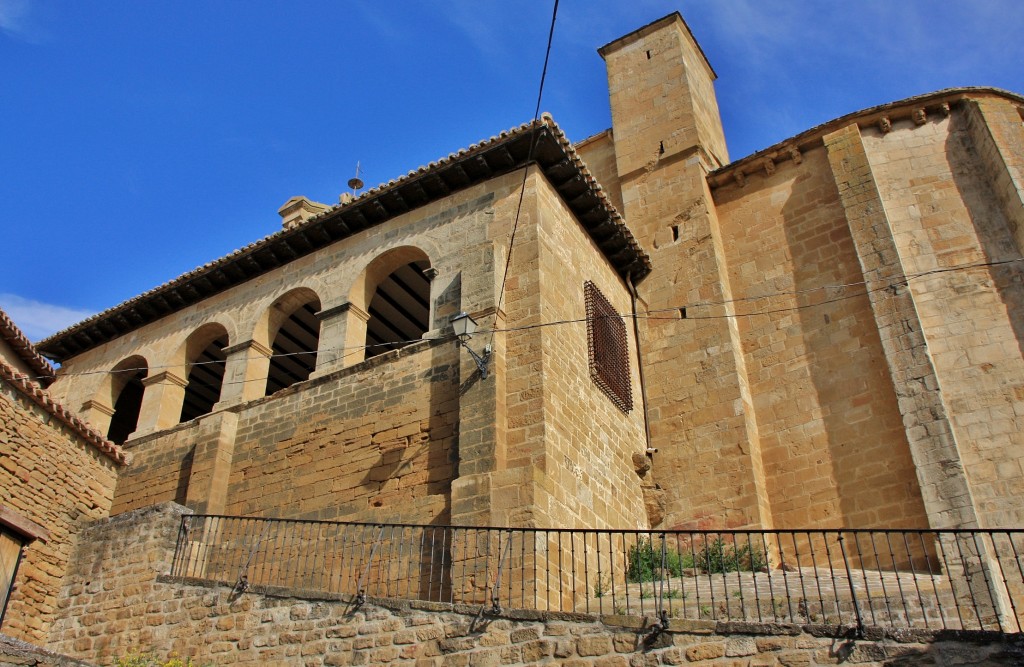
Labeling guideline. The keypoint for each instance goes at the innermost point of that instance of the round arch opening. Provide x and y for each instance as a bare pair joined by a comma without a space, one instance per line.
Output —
399,309
126,390
205,361
296,340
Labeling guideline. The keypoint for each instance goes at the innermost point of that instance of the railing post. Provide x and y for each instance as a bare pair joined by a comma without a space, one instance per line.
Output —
853,589
361,586
495,600
243,572
180,548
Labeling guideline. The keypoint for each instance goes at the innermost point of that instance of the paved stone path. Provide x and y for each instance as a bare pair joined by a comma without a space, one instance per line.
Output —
802,595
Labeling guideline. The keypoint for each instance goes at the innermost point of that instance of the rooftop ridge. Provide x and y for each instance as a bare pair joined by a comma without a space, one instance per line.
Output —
331,225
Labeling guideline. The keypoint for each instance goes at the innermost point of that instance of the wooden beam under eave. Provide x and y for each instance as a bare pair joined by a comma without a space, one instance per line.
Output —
436,186
282,248
357,220
253,266
188,293
302,242
87,341
482,170
501,157
460,177
415,189
399,200
378,209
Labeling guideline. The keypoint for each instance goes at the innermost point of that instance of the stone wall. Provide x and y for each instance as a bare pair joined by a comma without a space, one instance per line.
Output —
587,444
793,379
117,601
366,443
49,476
938,187
831,435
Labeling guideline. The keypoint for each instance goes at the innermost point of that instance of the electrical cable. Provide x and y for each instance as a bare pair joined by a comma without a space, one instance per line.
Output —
526,169
651,315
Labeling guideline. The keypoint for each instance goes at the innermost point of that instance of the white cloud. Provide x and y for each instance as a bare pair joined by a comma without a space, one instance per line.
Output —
37,319
15,21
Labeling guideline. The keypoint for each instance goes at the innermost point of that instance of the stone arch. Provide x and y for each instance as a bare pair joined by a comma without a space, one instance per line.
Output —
203,359
122,392
290,328
394,293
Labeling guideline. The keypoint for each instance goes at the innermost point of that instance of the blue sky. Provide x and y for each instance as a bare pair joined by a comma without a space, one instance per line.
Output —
140,139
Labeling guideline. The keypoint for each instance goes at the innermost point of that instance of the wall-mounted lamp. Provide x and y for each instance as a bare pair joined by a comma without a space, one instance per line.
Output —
465,327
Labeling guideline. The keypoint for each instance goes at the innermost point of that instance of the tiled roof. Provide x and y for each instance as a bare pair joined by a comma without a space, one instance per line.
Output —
23,347
39,395
540,142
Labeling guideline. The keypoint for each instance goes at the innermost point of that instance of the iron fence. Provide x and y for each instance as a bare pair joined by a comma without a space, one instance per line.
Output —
958,579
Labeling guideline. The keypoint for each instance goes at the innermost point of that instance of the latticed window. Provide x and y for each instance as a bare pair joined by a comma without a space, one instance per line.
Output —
609,348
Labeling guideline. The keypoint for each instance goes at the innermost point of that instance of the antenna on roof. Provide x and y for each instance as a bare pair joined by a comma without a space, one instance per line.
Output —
356,183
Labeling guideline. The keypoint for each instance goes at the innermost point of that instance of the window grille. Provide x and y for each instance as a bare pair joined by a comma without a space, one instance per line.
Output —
608,348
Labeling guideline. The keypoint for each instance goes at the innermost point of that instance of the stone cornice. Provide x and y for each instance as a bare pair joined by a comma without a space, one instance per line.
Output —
881,117
330,313
255,346
164,376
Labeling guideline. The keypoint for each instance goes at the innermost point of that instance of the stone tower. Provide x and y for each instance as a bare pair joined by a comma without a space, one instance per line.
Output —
667,137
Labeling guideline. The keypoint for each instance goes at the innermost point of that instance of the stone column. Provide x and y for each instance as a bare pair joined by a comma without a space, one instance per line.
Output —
161,402
98,414
342,338
245,373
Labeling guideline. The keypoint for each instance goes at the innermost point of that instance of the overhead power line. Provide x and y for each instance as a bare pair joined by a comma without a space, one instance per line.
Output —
655,314
526,170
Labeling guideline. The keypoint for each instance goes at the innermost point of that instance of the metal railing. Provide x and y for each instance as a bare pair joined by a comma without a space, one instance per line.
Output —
957,579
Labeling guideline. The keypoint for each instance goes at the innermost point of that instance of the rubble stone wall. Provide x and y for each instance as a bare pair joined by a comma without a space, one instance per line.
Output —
52,478
117,601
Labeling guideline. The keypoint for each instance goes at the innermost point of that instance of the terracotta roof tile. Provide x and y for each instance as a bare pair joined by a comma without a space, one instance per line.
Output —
23,347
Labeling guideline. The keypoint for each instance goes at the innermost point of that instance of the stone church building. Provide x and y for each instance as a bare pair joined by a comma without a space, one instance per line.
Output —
826,333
